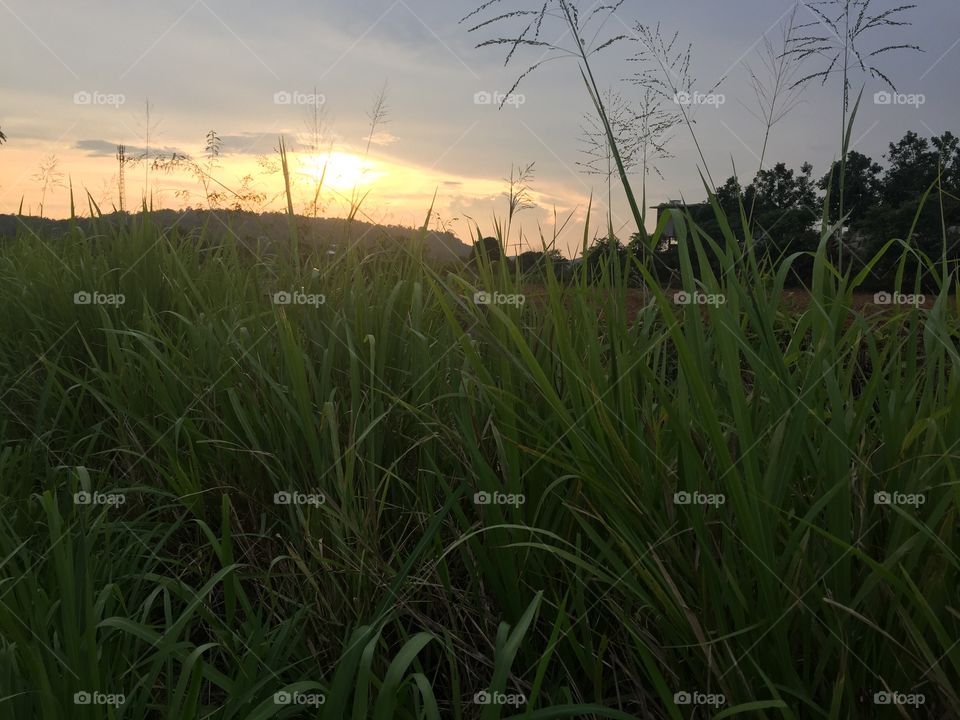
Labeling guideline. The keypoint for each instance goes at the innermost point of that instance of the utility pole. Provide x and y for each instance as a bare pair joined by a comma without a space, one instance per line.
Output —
121,184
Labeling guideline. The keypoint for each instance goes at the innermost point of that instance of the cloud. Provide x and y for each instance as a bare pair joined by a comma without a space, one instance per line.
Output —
98,148
249,143
383,138
105,148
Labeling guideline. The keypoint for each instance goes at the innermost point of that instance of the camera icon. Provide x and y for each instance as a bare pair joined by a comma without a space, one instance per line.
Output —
82,498
282,98
882,98
682,698
282,698
482,698
82,298
282,298
82,98
881,498
882,698
482,298
882,298
682,98
681,298
482,498
82,698
482,98
282,498
682,498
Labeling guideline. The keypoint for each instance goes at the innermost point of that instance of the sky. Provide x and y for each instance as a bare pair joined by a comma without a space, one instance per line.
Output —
78,77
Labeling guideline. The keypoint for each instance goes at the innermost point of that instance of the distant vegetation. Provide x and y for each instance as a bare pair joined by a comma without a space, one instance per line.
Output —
882,202
257,233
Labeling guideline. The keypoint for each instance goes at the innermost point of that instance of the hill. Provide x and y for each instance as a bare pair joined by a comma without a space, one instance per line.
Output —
262,232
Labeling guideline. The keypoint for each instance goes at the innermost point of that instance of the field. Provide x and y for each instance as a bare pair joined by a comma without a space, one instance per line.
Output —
383,499
266,460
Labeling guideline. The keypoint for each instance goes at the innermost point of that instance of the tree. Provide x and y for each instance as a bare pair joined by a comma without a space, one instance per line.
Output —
948,147
785,204
913,166
536,260
608,252
3,137
729,195
488,247
862,189
779,188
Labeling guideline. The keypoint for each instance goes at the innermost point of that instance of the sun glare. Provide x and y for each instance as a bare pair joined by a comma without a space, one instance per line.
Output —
341,171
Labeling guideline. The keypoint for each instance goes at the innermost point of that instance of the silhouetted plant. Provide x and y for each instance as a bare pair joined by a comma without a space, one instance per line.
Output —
378,115
847,23
519,196
533,21
50,178
665,73
319,142
627,134
774,86
655,124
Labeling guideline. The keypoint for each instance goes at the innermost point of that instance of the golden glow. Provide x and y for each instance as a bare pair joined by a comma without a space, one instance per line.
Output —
344,171
400,192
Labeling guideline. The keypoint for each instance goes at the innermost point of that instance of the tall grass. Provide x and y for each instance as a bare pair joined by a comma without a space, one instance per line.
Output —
398,399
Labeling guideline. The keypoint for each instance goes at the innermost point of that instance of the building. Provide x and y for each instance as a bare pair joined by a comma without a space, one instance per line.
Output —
669,236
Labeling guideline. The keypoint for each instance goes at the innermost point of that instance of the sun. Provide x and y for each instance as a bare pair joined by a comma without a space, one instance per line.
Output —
341,171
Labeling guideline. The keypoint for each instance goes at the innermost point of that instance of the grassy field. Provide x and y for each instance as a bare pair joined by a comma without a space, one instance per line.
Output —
384,499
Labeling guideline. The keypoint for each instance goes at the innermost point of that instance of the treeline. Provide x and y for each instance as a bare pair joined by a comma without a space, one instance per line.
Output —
914,196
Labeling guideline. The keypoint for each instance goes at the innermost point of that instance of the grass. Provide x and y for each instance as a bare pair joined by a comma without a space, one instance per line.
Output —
398,399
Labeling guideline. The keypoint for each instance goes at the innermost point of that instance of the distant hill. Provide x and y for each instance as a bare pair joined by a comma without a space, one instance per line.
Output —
262,231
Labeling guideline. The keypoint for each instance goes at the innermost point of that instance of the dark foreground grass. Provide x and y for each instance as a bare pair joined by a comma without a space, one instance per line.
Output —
703,513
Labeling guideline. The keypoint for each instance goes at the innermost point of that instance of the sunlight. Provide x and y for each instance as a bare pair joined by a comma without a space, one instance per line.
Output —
344,171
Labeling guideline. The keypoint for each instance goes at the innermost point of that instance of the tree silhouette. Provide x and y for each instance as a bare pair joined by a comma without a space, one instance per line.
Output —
862,187
488,247
3,137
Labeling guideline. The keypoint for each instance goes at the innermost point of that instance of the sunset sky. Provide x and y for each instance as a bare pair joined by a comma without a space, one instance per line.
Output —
77,77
